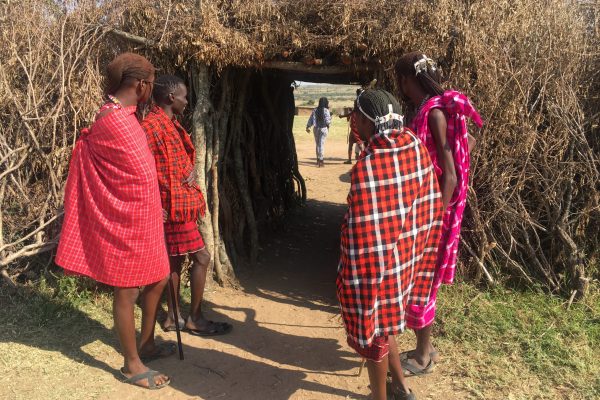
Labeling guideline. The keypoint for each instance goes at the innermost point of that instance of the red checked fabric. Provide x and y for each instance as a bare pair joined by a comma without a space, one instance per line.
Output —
353,128
174,154
182,238
112,229
389,236
378,348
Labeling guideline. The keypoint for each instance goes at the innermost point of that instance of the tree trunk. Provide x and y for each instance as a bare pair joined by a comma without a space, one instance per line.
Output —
202,128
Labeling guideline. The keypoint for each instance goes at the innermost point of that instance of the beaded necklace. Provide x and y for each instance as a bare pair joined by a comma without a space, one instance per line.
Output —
114,100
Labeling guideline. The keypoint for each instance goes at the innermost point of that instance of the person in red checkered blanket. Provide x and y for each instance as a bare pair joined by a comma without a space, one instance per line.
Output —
388,239
182,201
112,229
354,141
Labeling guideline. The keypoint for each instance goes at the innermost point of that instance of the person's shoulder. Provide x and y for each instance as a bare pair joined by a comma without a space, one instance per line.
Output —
152,120
436,114
106,109
104,112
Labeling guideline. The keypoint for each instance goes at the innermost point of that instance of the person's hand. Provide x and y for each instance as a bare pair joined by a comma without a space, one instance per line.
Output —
307,130
191,179
165,215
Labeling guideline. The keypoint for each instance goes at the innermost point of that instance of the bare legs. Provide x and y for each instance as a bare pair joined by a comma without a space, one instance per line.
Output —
378,373
123,307
350,147
200,261
422,357
424,346
377,378
175,262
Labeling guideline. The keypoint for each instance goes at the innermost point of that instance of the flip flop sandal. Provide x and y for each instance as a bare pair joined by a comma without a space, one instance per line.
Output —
398,395
405,355
412,370
149,376
213,329
162,350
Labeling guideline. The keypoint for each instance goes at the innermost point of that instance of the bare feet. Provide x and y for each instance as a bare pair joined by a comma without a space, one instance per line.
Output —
151,352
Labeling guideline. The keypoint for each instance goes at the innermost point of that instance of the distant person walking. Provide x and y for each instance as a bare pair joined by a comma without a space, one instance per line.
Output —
319,120
440,122
113,231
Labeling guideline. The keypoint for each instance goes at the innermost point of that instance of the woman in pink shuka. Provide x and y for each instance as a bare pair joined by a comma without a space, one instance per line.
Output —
440,123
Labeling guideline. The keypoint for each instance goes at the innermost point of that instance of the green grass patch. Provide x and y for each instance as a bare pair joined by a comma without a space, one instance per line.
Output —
502,338
338,128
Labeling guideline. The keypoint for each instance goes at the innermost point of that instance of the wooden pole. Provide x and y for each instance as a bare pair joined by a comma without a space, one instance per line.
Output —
175,315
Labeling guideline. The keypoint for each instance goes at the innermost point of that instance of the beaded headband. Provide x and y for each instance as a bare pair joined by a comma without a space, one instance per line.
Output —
381,122
423,64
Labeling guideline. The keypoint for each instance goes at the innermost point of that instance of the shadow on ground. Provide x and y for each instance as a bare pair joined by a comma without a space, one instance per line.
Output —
298,262
36,319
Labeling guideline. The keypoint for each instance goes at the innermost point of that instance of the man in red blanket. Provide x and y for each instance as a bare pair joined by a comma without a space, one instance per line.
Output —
182,200
353,136
389,238
112,230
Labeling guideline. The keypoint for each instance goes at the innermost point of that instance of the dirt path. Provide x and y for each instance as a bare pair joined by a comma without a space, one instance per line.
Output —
287,342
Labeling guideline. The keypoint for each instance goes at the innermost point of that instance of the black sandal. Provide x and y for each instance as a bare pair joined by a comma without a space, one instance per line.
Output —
213,329
413,370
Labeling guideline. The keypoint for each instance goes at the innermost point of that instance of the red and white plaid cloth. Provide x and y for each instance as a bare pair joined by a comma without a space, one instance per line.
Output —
113,229
389,237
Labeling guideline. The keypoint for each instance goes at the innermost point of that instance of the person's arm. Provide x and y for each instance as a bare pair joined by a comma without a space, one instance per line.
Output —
438,126
472,143
311,121
327,117
346,114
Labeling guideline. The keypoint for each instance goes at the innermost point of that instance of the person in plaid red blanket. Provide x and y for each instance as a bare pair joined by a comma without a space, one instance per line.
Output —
182,200
112,230
388,239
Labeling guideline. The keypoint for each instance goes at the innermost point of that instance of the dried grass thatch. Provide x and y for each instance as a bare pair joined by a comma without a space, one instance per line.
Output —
531,67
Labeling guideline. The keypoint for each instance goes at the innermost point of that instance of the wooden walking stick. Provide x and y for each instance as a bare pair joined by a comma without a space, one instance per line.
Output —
175,315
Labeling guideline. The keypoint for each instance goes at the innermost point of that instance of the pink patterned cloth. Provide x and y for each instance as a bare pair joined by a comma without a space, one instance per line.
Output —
457,108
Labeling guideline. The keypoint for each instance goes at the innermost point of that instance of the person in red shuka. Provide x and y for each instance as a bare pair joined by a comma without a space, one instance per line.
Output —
182,200
112,230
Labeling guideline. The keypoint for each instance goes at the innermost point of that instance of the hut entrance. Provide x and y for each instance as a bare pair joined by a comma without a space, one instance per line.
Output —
244,128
